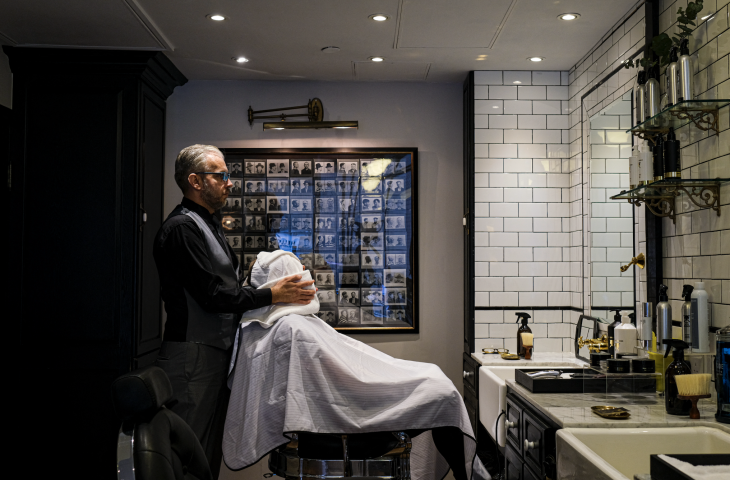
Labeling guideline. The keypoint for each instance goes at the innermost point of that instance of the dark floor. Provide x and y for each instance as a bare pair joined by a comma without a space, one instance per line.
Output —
487,452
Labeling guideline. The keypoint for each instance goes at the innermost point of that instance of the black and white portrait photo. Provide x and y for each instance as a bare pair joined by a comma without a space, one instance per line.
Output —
248,258
370,316
347,186
301,205
278,223
371,223
395,296
324,278
301,224
277,204
277,168
303,243
371,186
347,205
395,277
324,241
232,205
348,278
272,242
329,317
345,222
395,314
349,259
395,205
307,260
255,167
395,241
371,204
324,223
326,296
395,222
277,187
254,205
254,242
372,241
324,167
236,189
255,223
348,316
319,260
296,186
395,259
371,278
349,296
348,168
234,241
232,224
324,205
371,297
300,168
235,170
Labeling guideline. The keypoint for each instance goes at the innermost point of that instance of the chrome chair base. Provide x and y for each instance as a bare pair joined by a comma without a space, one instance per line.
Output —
394,465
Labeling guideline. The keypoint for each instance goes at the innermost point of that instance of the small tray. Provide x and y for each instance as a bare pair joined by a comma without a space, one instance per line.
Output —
665,471
613,413
556,385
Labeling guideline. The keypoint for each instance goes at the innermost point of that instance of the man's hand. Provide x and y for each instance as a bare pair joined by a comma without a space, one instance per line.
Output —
291,290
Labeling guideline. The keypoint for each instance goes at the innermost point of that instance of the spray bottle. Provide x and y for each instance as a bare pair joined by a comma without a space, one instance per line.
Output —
679,366
663,319
522,317
612,332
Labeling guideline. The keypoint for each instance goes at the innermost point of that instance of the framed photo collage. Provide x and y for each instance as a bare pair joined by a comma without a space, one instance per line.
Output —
348,215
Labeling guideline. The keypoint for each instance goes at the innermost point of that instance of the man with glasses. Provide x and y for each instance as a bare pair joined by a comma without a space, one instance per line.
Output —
202,286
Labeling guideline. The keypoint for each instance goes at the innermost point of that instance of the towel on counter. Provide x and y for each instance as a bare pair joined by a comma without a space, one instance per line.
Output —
699,472
294,373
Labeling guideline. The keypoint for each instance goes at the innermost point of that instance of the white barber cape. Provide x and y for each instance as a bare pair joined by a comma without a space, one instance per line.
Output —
296,373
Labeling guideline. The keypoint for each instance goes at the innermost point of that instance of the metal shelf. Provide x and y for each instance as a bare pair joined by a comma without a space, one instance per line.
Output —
660,197
702,113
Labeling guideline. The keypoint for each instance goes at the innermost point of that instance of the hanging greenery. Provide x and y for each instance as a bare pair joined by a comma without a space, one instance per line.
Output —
662,44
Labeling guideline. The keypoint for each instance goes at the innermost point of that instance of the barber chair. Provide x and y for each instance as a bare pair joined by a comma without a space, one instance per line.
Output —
154,443
384,455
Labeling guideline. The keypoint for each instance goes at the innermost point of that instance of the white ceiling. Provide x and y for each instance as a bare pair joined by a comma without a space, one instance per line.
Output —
431,40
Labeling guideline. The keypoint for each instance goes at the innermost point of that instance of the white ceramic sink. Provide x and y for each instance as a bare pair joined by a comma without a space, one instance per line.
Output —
493,395
621,453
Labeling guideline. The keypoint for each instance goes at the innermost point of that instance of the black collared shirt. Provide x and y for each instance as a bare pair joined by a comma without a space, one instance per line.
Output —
182,263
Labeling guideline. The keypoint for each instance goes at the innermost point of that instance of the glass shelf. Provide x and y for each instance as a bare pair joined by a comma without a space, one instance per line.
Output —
660,196
702,113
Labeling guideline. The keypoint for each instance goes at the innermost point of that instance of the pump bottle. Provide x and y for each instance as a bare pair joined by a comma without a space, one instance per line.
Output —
672,167
625,335
652,94
699,319
679,366
646,169
612,333
686,313
672,76
522,317
658,152
634,168
641,97
684,67
663,319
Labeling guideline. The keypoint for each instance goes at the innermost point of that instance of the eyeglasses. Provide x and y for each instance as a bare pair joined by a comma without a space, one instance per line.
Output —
225,175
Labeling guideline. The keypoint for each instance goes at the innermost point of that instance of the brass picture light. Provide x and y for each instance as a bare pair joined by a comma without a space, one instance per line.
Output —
315,114
639,260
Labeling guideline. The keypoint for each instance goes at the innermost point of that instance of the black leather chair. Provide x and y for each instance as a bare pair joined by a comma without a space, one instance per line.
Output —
154,443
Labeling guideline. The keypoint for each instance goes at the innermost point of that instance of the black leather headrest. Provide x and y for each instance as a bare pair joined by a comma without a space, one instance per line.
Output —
141,391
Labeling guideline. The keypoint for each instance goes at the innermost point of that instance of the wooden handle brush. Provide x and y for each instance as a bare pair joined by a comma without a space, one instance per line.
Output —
693,387
527,344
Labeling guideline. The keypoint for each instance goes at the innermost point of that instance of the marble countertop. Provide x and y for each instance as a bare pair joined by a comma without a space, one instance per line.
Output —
539,359
573,410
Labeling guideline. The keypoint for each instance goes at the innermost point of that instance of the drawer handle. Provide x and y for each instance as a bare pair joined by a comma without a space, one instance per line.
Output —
468,374
531,445
509,424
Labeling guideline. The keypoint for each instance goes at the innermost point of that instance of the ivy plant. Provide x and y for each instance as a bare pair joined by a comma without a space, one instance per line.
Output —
662,44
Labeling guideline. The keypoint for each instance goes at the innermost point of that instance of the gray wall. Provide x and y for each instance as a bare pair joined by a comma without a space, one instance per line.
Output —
426,116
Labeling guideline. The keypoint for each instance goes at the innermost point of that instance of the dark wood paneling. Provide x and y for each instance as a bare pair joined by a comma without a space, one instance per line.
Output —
468,152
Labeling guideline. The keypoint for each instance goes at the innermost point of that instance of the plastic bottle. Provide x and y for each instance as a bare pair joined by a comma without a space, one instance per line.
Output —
646,169
641,97
663,319
625,336
685,314
652,94
672,78
679,366
644,331
612,332
684,67
522,317
658,153
699,318
672,167
634,167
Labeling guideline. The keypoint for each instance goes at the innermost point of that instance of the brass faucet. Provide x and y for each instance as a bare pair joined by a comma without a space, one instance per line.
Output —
639,260
595,345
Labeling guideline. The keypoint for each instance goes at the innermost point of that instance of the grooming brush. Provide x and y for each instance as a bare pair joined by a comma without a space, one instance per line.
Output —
527,344
693,387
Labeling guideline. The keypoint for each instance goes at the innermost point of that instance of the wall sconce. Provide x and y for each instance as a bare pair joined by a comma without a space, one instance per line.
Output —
315,113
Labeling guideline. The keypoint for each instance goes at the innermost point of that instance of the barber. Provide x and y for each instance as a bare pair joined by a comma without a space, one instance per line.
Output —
201,283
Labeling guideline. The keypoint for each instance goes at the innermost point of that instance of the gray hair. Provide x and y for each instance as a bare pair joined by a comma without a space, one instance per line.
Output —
193,159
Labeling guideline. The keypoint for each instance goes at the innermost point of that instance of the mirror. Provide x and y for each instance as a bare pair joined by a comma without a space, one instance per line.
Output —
587,327
611,224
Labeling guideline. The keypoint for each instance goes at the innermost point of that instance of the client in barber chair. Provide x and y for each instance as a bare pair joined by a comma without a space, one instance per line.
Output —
291,372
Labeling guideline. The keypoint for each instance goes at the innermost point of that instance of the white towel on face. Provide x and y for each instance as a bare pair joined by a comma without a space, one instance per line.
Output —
270,267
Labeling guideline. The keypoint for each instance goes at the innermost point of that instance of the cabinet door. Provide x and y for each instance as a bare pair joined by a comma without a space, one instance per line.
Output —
514,433
512,464
534,434
528,474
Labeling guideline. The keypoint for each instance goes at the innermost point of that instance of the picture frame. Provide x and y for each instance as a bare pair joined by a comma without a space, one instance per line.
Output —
349,214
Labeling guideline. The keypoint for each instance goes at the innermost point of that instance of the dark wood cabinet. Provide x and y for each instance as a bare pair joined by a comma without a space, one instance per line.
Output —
87,155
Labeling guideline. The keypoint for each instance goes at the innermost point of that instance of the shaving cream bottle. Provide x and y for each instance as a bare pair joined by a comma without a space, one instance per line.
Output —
684,71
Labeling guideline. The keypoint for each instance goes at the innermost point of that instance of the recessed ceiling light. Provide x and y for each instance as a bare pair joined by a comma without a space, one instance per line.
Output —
216,17
376,59
536,59
240,59
569,16
495,106
330,49
378,17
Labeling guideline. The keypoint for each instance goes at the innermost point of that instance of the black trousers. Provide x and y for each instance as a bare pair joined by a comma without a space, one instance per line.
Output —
198,376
